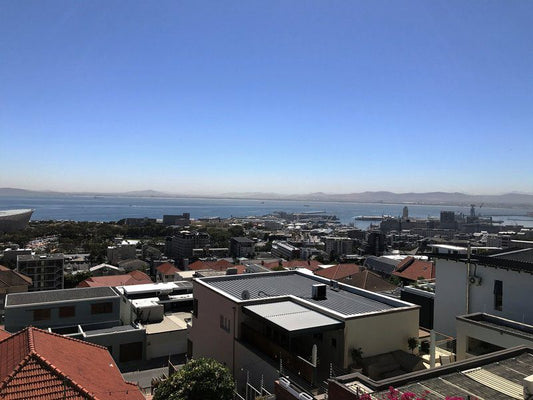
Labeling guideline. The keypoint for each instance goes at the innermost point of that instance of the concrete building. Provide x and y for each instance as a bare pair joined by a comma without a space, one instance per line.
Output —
338,246
89,314
284,250
10,256
45,270
498,284
122,251
181,246
167,272
242,247
257,322
479,334
62,308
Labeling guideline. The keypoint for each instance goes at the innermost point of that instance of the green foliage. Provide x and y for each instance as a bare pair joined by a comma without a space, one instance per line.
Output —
199,379
412,342
72,280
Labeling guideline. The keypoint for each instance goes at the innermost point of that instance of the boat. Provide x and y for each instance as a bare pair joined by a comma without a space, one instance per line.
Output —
14,220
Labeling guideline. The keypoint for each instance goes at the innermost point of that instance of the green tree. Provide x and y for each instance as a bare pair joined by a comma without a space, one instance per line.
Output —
199,379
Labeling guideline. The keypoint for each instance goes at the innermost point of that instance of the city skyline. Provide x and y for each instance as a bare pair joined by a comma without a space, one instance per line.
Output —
284,97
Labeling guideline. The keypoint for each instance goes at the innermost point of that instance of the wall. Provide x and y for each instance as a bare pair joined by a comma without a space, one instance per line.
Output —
116,339
18,317
208,338
380,333
450,294
247,361
494,336
166,343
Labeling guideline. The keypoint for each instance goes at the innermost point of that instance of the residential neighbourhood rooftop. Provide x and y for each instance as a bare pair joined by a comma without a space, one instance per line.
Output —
497,376
131,278
50,296
42,365
346,301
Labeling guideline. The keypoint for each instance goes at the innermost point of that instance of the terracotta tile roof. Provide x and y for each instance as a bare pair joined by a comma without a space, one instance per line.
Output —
167,269
131,278
339,271
4,334
311,265
412,269
220,265
9,277
35,364
368,280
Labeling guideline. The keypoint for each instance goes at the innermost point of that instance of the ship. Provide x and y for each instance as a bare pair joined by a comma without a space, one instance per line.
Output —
14,220
371,217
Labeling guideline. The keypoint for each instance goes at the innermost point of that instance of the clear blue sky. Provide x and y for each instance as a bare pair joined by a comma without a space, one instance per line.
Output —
282,96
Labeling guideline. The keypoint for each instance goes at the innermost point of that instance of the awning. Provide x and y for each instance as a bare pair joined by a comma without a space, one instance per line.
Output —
293,318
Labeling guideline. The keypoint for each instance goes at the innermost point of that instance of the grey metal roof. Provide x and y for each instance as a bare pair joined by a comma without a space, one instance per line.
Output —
522,255
49,296
381,264
274,284
293,317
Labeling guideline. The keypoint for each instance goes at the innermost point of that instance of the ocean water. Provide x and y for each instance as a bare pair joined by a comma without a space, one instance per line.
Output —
107,208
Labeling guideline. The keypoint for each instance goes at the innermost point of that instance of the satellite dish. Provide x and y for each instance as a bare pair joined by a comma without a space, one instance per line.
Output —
245,295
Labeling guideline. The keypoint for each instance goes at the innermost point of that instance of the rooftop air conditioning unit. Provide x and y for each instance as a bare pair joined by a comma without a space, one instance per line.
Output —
319,292
475,280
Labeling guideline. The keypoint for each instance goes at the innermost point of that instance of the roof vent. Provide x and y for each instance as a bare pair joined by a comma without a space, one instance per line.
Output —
319,292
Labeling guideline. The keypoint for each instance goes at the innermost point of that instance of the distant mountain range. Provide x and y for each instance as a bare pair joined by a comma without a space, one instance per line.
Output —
444,198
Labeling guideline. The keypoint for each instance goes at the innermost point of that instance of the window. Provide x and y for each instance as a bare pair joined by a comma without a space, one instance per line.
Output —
41,314
498,295
195,307
67,312
224,323
102,308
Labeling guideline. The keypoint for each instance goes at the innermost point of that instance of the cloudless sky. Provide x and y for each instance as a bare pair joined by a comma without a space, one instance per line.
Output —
275,96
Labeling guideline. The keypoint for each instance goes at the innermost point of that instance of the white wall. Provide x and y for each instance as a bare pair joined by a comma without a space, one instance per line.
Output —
450,294
166,343
494,336
380,333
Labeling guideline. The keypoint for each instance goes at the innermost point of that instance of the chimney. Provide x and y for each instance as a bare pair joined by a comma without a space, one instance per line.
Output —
318,292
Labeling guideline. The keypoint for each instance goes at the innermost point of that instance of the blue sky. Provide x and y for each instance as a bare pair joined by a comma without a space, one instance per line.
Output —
282,96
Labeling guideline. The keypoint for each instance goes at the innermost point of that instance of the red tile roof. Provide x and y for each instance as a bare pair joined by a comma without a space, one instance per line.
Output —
339,271
167,269
131,278
9,277
412,269
37,364
4,334
220,265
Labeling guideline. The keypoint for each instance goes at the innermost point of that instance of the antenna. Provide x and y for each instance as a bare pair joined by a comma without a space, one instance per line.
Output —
245,295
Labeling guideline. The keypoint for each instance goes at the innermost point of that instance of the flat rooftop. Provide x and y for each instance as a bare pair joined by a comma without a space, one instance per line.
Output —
500,324
347,301
52,296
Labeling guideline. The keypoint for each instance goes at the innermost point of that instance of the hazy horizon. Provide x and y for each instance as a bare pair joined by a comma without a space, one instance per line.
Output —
209,97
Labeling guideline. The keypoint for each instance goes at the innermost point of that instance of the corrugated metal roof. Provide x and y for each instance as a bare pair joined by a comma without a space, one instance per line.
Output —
269,285
48,296
496,382
293,317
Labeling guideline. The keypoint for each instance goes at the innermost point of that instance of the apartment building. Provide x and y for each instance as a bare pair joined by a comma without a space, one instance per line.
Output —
181,246
338,246
498,284
45,270
242,247
259,322
284,250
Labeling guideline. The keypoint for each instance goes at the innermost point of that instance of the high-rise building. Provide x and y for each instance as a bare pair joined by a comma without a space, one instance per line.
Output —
45,270
181,246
